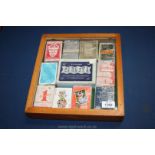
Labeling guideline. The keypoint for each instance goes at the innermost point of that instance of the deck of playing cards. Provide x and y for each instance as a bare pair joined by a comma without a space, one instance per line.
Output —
107,51
71,49
88,49
53,51
48,73
81,97
105,73
62,98
105,97
44,96
79,72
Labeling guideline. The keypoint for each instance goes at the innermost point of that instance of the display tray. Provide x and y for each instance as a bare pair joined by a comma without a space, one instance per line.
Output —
77,76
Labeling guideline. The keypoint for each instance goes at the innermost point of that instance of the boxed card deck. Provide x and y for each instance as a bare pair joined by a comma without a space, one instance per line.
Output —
88,49
81,97
105,97
105,73
48,73
103,66
71,46
62,98
107,51
44,96
71,49
53,50
79,72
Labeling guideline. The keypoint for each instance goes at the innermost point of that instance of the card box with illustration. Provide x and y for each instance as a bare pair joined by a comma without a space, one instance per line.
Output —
81,97
53,50
44,96
106,51
62,98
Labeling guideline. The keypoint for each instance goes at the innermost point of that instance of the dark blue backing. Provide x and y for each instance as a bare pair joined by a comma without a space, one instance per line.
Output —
18,50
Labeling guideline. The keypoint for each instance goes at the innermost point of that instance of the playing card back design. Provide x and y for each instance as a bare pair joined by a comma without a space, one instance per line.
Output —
44,96
53,50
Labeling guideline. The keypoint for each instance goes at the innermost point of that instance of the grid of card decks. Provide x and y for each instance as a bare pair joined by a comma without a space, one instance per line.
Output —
77,74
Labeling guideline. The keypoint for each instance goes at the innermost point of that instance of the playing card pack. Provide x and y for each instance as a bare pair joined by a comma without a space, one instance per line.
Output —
105,73
44,96
62,98
53,50
107,51
77,72
48,73
81,97
71,46
88,49
105,97
71,49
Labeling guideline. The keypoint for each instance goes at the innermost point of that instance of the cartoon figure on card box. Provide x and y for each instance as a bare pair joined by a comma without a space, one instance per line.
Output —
81,98
62,101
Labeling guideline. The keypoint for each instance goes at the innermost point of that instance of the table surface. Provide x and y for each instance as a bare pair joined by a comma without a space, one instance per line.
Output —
18,51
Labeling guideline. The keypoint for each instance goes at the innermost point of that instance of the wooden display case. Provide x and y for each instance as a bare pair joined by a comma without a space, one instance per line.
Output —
78,114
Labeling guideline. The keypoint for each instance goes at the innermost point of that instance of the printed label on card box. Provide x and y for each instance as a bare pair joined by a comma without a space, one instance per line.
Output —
75,71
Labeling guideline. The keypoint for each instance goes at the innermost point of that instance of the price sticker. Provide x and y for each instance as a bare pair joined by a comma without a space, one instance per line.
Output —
108,104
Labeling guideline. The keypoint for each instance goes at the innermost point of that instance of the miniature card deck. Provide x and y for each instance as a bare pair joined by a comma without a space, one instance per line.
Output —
81,97
77,72
48,73
107,51
62,98
53,51
44,96
88,49
105,97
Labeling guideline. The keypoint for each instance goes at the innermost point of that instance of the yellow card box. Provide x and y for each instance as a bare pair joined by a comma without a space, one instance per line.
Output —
48,112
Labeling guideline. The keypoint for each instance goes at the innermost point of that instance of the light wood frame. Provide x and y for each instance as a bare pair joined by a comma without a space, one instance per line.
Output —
77,114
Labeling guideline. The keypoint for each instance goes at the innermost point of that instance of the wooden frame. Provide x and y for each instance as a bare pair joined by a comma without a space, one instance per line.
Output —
79,114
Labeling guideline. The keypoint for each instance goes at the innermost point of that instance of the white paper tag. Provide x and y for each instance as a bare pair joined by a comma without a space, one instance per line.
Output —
108,104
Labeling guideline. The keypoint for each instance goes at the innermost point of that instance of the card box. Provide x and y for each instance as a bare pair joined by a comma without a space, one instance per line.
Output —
107,51
105,97
88,49
81,97
71,46
62,98
53,50
79,72
48,73
44,96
